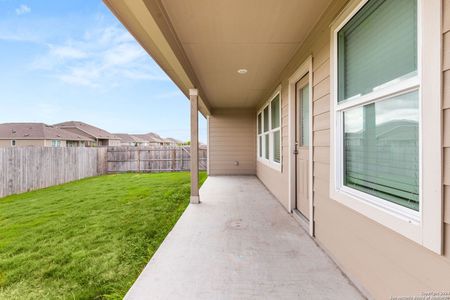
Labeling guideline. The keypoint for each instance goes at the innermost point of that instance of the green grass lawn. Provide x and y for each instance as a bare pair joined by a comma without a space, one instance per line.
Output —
87,239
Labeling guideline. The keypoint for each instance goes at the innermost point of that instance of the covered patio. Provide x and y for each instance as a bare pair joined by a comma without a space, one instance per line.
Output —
240,244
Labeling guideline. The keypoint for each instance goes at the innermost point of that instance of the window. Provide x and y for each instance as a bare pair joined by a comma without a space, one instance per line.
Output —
259,135
304,116
56,143
13,143
269,132
381,149
378,118
377,51
275,126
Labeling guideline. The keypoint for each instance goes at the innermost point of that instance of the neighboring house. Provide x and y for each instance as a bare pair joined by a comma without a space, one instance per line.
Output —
100,137
152,139
172,141
284,84
130,140
39,134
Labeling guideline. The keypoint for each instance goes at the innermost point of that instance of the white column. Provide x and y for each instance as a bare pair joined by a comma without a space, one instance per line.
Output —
193,97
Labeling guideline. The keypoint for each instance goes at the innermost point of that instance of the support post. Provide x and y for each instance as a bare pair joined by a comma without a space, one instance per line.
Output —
193,97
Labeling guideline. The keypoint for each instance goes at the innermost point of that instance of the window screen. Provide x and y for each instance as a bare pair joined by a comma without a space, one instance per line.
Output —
381,149
378,45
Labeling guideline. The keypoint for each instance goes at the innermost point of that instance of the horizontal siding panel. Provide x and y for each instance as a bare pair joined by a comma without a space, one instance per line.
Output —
446,15
447,128
321,105
321,57
231,172
322,154
236,148
232,137
236,136
223,156
322,170
446,80
235,125
446,51
447,166
232,156
322,72
321,89
318,201
322,138
244,129
447,204
322,121
322,186
229,164
447,240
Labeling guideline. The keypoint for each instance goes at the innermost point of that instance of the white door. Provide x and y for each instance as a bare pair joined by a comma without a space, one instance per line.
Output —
302,117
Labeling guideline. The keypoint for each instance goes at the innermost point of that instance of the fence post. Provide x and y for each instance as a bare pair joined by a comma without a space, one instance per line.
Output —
139,160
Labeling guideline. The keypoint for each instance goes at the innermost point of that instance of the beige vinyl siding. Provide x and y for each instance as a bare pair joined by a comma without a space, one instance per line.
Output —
276,180
446,107
232,137
49,143
22,143
380,261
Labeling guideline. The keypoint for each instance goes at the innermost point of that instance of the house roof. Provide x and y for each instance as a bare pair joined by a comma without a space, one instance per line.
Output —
172,140
128,138
150,137
37,131
92,131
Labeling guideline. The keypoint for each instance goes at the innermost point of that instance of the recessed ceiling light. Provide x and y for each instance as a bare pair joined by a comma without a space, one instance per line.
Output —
242,71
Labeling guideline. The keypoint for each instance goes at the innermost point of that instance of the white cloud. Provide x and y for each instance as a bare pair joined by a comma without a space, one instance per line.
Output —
103,57
67,52
23,9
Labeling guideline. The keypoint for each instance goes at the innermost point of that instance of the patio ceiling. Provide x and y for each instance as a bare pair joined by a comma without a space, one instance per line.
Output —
203,43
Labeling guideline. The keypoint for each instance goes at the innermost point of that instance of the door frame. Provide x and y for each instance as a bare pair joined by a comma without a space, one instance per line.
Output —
305,68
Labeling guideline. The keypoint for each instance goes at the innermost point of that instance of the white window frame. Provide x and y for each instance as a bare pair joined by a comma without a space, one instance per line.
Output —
56,143
13,143
424,226
270,162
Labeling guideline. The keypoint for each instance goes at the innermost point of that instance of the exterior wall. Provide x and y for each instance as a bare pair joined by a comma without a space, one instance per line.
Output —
278,181
380,261
446,109
114,143
49,143
231,138
22,143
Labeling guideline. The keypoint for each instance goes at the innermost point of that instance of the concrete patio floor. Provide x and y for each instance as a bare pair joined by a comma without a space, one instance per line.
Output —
240,243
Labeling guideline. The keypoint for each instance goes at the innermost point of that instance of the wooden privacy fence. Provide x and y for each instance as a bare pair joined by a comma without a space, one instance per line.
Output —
30,168
24,169
152,159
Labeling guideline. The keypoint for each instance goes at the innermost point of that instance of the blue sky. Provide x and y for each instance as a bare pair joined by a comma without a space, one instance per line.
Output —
72,60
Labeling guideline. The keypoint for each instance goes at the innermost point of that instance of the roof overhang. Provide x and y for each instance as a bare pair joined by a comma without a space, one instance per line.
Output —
159,40
202,44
